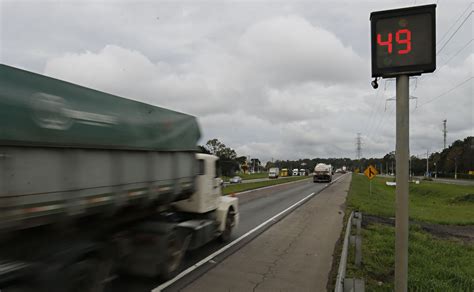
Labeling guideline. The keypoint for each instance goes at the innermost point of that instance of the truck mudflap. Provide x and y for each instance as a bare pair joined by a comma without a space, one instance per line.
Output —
199,232
157,249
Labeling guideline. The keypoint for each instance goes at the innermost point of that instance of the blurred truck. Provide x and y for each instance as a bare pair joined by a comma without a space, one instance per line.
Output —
273,172
93,185
295,171
322,173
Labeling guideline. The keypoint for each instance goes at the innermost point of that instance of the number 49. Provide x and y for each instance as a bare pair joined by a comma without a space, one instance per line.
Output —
406,41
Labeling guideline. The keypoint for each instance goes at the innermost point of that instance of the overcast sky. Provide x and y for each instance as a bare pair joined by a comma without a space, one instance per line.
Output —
271,79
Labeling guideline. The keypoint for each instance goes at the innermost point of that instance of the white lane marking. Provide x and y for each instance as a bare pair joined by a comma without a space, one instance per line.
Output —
218,252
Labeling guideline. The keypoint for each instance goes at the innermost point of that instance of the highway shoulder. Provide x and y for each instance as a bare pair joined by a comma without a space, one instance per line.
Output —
295,254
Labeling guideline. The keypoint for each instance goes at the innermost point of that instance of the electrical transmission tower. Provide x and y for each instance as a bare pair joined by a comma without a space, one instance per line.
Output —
359,146
444,133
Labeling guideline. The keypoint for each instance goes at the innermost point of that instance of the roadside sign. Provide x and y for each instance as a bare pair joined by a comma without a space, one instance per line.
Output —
403,41
371,172
403,44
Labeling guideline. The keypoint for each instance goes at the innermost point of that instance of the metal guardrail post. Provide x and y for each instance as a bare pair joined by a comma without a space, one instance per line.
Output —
341,274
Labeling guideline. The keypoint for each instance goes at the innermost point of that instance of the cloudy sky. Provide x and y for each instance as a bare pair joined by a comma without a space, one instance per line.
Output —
272,79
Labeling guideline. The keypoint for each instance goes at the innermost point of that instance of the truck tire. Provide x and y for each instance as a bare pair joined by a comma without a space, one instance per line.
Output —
229,225
173,257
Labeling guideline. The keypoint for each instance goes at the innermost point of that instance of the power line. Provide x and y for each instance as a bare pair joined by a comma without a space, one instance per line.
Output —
454,23
457,53
454,33
450,90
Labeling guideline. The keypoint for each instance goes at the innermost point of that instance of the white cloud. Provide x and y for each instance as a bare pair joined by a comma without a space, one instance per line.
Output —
283,81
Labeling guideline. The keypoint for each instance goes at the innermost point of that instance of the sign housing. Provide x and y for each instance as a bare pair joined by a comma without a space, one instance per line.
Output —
403,41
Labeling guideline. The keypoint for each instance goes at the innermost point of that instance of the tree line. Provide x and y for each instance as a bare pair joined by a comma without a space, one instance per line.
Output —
458,157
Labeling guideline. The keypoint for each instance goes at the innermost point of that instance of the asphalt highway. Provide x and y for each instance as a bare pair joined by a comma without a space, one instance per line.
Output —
256,207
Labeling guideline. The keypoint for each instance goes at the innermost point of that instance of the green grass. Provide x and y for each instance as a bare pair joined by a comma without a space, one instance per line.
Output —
434,264
254,175
235,188
428,201
248,176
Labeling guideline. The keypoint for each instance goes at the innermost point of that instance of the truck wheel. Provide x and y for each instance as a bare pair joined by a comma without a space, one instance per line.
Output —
229,225
174,255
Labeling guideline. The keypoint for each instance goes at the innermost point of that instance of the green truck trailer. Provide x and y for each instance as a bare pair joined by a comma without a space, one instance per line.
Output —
93,184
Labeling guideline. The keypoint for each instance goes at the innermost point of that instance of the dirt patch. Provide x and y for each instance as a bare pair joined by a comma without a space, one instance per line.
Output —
463,232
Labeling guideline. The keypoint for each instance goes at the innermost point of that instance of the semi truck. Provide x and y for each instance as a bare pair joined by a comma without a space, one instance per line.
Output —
94,185
322,173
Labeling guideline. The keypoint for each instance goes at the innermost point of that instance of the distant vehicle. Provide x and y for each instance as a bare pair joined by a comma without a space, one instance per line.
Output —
235,180
322,173
302,172
284,172
273,172
344,169
332,169
296,172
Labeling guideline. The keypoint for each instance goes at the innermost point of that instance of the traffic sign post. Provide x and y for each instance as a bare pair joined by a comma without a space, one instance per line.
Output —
403,44
370,173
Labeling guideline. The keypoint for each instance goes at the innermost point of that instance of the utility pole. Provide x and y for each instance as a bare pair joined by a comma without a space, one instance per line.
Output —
455,168
444,133
427,167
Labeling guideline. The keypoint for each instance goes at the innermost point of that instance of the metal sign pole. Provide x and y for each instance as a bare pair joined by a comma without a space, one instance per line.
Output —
401,216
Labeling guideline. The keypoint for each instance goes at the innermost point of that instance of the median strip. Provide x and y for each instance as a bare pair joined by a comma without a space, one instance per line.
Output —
238,188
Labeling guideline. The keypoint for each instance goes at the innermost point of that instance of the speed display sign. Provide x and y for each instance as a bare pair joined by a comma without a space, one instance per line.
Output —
403,41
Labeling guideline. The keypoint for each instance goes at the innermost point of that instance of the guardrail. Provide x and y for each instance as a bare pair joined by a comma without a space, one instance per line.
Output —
344,284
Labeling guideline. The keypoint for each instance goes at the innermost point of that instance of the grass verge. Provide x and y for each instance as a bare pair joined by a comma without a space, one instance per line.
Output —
236,188
435,264
429,201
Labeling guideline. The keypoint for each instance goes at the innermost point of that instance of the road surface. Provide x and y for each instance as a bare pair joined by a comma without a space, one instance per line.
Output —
295,254
256,207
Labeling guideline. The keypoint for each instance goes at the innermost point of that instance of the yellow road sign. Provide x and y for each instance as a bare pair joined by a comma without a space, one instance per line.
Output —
371,172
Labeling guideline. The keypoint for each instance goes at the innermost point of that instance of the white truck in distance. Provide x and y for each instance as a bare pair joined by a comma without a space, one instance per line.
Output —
273,172
295,172
322,173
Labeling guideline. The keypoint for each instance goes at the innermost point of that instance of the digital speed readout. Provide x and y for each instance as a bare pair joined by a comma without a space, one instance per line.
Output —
403,41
